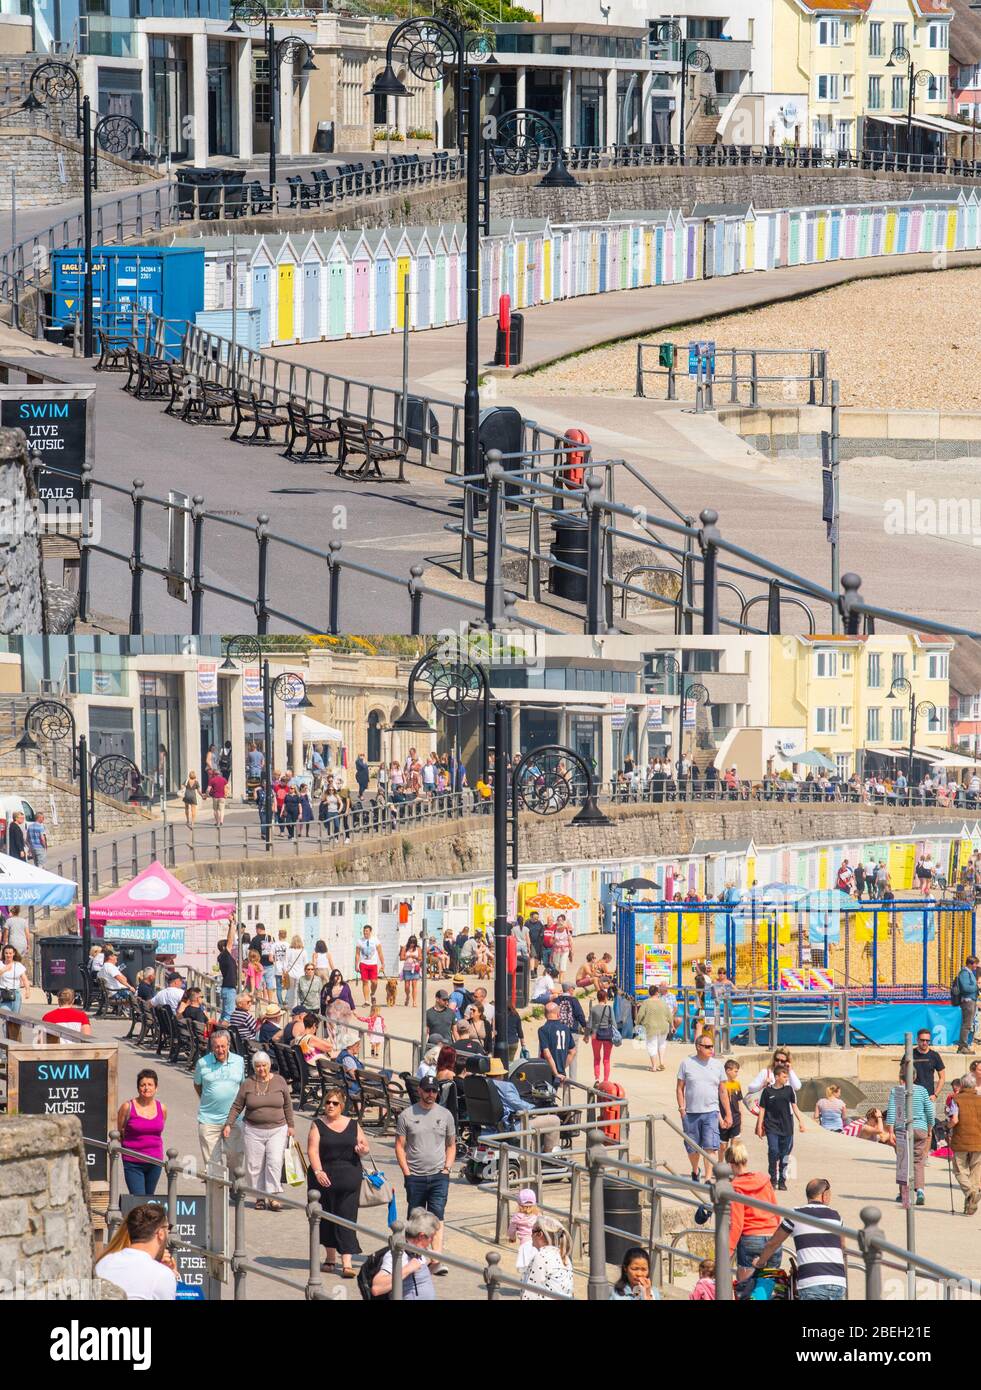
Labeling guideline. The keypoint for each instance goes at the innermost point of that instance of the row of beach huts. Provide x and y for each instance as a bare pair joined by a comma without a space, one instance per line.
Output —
303,287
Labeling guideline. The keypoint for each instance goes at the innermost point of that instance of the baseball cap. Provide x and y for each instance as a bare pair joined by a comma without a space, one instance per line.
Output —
429,1083
526,1196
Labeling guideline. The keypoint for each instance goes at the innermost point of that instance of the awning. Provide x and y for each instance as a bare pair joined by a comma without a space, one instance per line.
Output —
155,895
313,729
941,123
885,120
943,757
26,885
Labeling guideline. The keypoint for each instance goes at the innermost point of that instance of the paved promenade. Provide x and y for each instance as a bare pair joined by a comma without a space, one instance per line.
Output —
766,506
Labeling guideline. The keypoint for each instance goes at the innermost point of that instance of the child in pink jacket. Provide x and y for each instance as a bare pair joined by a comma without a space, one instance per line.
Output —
705,1288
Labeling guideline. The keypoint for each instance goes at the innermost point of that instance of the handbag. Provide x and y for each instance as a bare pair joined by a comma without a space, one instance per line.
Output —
294,1165
376,1190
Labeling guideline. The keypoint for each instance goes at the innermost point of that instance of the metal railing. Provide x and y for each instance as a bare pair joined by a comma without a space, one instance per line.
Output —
121,860
736,367
700,556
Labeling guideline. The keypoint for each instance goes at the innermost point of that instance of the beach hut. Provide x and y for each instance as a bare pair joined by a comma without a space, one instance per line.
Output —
916,227
359,276
288,321
263,277
456,271
403,277
310,264
835,220
441,282
382,302
420,240
336,295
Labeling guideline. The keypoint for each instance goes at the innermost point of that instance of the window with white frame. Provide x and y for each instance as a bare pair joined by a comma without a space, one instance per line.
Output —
899,36
352,85
843,764
845,717
897,724
898,666
847,85
875,93
938,666
828,87
937,87
828,33
898,93
826,663
361,907
875,39
938,36
874,670
937,723
873,724
846,663
826,719
846,31
843,134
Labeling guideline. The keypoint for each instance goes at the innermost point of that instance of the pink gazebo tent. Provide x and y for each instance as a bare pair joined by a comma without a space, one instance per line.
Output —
155,896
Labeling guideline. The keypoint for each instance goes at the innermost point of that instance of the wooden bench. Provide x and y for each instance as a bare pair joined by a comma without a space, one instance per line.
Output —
203,405
316,428
113,352
263,415
359,439
179,379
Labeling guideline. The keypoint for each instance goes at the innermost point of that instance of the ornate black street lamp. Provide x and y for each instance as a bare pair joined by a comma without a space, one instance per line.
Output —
56,81
926,708
289,48
457,688
289,688
693,59
429,46
695,690
110,774
913,80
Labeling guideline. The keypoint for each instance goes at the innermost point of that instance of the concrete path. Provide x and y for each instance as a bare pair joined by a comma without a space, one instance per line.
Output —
860,1173
769,507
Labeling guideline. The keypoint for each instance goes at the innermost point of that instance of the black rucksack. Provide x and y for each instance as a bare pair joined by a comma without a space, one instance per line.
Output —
366,1276
955,992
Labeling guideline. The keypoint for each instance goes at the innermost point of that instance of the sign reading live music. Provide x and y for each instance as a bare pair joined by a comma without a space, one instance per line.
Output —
58,423
67,1085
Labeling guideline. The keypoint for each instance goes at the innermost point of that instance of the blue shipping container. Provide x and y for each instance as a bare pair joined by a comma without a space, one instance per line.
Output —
163,280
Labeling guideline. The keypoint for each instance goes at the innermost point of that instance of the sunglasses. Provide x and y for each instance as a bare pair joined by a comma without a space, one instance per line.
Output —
333,1102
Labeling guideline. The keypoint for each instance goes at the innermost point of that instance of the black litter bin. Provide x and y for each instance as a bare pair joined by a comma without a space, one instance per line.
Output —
501,427
61,964
416,425
570,547
206,184
621,1205
501,356
135,956
323,141
521,983
236,204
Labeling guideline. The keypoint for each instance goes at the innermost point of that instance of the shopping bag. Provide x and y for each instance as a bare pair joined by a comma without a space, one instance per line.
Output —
294,1166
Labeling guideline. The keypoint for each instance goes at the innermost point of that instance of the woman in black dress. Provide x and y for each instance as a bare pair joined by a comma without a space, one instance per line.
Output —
334,1148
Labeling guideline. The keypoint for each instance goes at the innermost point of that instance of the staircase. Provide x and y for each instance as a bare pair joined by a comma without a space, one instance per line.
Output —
703,112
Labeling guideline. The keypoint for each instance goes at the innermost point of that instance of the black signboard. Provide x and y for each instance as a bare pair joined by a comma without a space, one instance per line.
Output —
55,430
192,1226
57,1086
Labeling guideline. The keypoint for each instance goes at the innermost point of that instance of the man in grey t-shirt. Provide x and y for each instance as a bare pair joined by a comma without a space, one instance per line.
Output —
701,1095
425,1147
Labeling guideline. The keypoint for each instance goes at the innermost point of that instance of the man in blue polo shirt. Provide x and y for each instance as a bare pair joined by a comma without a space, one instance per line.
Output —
217,1077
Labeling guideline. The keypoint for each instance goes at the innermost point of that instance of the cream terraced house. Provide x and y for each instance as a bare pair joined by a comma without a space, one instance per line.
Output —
841,57
838,689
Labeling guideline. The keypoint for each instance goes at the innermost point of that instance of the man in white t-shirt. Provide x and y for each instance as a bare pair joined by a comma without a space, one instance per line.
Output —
113,978
171,995
145,1270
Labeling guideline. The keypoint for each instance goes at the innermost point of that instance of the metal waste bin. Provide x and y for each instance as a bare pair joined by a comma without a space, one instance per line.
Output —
501,355
206,183
571,547
323,141
61,964
417,427
621,1207
135,956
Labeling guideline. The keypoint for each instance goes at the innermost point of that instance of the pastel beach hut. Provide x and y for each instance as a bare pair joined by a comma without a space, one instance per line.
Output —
383,280
311,269
337,288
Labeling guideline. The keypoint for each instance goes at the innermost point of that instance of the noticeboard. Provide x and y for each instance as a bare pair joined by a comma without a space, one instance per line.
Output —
191,1225
59,422
704,352
67,1081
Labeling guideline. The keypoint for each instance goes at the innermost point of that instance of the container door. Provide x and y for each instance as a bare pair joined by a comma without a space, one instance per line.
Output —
260,301
284,321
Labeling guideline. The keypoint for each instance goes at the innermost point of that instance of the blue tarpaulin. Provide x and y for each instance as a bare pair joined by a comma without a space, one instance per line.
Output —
881,1023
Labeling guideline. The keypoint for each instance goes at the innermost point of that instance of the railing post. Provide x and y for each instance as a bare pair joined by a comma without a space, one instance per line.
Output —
136,561
722,1190
333,586
639,377
84,541
115,1163
868,1240
849,601
239,1252
708,538
492,1276
197,563
598,1290
396,1245
314,1288
262,538
595,617
773,608
415,600
172,1169
494,581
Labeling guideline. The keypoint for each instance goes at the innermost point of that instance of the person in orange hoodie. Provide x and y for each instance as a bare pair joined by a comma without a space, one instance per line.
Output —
749,1229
